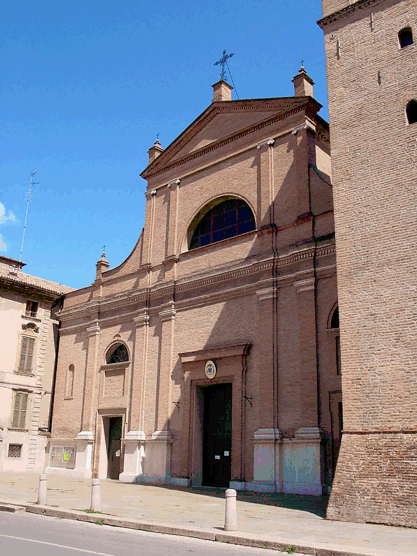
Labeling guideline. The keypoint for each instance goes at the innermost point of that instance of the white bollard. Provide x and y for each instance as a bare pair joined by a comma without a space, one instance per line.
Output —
230,521
95,495
42,490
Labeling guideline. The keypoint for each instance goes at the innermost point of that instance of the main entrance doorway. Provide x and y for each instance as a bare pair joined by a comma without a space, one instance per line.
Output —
217,434
114,447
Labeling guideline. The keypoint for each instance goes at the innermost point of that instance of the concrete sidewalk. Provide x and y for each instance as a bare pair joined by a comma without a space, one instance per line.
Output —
270,520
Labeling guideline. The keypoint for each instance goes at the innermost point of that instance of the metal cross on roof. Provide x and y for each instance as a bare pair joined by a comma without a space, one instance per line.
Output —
223,61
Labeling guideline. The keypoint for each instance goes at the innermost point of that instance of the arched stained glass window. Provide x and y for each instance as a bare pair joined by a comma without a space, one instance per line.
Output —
117,354
226,219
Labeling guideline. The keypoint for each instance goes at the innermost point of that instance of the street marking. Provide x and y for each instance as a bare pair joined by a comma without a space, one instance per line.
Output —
59,545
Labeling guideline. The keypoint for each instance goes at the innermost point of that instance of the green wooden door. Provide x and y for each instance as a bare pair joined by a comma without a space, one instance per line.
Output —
217,435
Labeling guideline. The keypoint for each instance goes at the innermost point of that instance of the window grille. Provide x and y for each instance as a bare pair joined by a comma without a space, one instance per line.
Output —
15,451
26,355
32,308
227,219
19,410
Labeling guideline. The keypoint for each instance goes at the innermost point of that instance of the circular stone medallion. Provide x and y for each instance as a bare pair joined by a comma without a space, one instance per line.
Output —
210,369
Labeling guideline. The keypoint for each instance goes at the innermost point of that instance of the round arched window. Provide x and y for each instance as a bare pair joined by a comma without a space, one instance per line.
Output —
117,354
334,323
226,219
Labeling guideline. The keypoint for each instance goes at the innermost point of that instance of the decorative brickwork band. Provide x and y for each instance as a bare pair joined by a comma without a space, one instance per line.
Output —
360,5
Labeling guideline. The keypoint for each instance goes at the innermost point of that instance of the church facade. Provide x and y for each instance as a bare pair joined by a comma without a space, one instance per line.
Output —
210,356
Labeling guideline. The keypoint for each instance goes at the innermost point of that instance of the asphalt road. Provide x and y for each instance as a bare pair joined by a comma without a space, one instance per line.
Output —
23,534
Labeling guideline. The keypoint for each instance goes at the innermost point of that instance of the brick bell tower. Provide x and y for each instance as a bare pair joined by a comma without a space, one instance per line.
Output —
371,55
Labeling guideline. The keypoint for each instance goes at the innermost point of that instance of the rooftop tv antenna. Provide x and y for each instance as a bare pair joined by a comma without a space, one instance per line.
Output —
27,208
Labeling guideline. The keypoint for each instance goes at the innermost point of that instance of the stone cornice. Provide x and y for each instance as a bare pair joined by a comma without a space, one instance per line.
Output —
148,173
141,320
304,285
275,105
187,284
28,290
216,297
220,352
348,10
122,366
94,329
168,313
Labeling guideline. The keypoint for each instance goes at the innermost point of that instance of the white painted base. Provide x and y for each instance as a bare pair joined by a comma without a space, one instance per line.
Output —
180,482
299,488
290,465
72,473
128,478
237,485
154,479
261,486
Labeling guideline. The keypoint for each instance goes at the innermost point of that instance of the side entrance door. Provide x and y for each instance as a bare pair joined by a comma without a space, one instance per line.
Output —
115,435
217,435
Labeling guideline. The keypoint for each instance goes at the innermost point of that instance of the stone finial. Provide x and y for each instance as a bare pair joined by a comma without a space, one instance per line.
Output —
155,150
102,264
303,84
222,91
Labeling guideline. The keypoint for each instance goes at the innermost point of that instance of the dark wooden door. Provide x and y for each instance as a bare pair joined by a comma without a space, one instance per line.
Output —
336,414
115,435
217,435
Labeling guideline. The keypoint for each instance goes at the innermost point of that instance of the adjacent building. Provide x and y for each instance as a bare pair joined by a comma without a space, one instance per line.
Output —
210,355
372,89
28,347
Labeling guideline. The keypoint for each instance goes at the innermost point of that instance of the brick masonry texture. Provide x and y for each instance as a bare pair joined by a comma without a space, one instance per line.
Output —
258,289
370,81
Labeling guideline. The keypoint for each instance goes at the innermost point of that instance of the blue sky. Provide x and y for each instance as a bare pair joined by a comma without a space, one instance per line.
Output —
86,86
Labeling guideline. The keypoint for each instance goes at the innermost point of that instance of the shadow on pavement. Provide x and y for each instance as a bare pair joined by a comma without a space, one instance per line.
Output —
316,505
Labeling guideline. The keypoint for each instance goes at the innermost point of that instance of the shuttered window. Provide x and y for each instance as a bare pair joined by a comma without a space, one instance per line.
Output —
26,355
31,308
19,410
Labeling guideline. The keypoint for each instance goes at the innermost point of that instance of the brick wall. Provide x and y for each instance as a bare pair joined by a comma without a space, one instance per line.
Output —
258,289
370,81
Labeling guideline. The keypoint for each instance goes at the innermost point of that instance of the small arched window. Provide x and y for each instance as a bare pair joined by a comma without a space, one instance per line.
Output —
405,37
117,354
412,111
69,391
333,324
227,219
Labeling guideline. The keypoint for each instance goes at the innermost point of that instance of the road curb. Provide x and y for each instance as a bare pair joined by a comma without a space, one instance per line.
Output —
235,538
12,508
105,519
